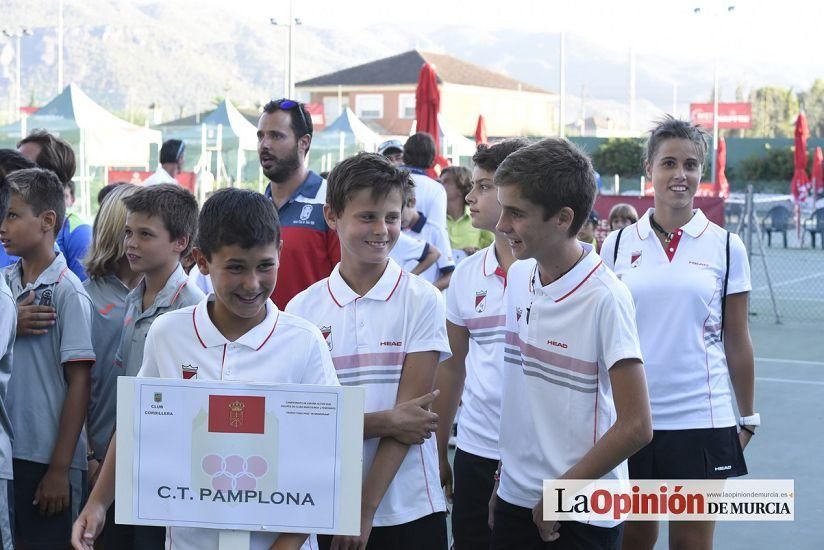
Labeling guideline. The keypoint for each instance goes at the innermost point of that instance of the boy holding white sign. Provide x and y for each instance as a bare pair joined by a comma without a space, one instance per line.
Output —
387,332
235,333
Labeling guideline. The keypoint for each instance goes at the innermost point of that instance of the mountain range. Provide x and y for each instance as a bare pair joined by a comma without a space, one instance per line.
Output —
180,56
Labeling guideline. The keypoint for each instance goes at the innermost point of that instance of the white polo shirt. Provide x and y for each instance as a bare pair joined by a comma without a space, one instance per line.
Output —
557,397
677,294
408,249
475,301
430,197
369,337
439,238
283,349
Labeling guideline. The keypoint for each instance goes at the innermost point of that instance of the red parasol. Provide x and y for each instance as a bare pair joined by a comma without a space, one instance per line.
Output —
428,103
818,171
721,187
480,131
800,185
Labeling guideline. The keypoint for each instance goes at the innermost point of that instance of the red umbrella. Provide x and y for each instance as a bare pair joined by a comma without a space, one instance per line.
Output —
800,184
480,131
428,103
721,187
818,171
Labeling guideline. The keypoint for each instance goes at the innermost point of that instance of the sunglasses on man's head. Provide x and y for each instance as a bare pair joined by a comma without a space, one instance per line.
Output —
288,105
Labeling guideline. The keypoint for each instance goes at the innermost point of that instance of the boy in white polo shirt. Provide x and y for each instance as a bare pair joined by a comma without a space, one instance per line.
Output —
574,402
472,377
386,330
415,224
235,333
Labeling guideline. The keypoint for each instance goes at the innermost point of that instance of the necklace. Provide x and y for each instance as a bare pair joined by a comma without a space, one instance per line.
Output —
655,225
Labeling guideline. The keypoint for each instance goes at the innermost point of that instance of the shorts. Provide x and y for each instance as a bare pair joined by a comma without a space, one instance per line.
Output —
35,530
515,530
428,532
474,481
707,453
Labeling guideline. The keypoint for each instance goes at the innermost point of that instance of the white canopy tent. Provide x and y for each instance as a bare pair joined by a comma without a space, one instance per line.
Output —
98,137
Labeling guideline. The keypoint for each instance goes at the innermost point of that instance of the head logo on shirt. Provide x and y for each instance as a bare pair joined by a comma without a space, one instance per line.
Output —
306,212
480,301
635,259
189,371
327,335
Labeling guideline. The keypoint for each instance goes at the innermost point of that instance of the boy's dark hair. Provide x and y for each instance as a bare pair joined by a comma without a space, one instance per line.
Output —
173,204
55,154
553,173
106,189
489,157
5,198
461,176
364,171
236,216
670,127
12,160
41,190
419,151
301,120
171,151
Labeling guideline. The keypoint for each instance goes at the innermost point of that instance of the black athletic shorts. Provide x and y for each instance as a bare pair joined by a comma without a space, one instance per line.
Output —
711,453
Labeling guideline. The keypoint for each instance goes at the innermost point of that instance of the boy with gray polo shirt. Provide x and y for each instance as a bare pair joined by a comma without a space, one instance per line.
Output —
160,229
46,403
8,327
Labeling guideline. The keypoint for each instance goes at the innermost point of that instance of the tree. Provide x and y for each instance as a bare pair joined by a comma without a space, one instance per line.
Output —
777,164
813,104
774,111
622,156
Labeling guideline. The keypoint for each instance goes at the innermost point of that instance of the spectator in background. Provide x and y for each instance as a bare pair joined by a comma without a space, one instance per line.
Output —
587,232
622,215
52,153
10,161
418,156
171,163
393,150
464,238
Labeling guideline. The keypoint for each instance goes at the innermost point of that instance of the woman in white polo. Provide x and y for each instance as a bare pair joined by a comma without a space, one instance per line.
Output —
690,281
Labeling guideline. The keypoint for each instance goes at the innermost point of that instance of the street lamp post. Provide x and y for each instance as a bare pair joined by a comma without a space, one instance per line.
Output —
715,93
17,34
288,73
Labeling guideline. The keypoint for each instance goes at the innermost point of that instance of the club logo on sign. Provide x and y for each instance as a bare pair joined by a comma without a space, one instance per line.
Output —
158,397
236,414
480,301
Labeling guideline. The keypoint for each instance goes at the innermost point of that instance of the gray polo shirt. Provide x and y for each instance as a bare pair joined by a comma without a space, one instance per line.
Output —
108,295
38,387
8,327
177,293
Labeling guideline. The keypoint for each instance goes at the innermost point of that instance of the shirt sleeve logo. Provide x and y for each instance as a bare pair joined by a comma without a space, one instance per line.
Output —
480,301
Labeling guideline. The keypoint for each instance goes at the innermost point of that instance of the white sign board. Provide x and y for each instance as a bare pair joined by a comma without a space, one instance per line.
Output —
277,458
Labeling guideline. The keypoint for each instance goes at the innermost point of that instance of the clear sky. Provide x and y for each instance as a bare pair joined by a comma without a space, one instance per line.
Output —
784,33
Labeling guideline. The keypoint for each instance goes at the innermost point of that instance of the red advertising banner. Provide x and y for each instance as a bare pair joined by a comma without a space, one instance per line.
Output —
315,110
186,179
237,414
730,115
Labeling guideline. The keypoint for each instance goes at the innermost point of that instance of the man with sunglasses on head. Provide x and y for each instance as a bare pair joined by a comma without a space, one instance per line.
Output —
171,163
310,247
